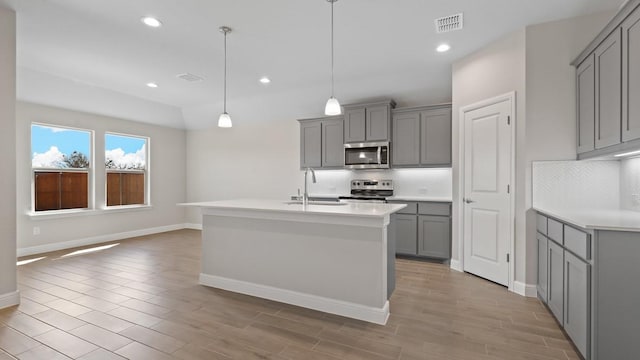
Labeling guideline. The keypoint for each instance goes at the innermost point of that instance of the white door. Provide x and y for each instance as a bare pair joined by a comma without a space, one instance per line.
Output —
487,198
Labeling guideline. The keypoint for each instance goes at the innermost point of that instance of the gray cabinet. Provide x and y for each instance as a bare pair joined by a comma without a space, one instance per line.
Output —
332,143
631,77
406,139
434,236
555,294
368,121
423,229
406,234
422,136
321,143
310,144
577,293
543,257
608,84
586,104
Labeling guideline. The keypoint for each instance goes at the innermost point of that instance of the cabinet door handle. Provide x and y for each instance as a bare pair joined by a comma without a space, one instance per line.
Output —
468,201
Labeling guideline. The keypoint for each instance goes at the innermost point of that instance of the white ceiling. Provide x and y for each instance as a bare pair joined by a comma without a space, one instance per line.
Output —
383,49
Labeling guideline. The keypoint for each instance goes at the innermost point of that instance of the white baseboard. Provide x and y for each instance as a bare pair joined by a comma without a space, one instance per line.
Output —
523,289
193,226
338,307
455,265
32,250
9,299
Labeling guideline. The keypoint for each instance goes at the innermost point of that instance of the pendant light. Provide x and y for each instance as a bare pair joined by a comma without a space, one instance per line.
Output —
224,121
333,106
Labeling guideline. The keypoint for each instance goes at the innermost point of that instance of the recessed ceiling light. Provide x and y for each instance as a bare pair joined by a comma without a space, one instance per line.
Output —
151,21
265,80
152,85
443,48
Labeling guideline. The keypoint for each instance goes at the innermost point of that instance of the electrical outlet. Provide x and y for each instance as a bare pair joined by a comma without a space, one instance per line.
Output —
332,190
422,191
36,230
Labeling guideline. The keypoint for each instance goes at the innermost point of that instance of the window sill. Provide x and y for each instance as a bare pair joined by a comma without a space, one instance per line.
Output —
58,214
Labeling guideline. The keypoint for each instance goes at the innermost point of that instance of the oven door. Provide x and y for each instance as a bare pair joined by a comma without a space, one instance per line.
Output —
366,155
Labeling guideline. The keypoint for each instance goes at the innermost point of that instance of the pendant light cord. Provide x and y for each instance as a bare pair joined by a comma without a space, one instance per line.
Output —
332,85
225,72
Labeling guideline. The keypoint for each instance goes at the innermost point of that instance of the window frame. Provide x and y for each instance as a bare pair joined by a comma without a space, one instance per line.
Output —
146,171
90,171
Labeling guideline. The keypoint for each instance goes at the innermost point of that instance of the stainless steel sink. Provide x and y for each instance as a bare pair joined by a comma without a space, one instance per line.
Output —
327,203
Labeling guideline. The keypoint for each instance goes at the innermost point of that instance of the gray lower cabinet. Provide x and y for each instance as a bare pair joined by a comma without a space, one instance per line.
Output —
406,234
543,248
556,281
434,234
422,136
321,143
577,307
423,229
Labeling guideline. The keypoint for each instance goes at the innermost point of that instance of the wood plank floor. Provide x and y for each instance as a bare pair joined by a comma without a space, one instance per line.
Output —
140,299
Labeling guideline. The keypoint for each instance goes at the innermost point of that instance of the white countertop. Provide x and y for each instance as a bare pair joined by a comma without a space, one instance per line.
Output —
419,198
349,209
599,219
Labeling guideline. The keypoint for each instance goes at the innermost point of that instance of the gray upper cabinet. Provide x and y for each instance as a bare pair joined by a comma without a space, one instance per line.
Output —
368,122
631,77
354,125
577,309
434,238
310,144
608,87
406,139
586,103
608,84
435,137
422,136
332,143
321,143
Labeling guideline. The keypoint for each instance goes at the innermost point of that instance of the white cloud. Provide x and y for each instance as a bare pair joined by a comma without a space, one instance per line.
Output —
122,160
52,129
53,158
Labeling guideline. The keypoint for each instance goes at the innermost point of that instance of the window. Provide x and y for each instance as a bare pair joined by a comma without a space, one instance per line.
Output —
126,166
60,163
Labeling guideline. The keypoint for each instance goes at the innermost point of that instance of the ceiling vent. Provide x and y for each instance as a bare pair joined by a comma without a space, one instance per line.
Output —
190,77
449,23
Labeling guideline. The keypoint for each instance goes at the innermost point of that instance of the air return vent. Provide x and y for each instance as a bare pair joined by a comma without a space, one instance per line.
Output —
449,23
189,77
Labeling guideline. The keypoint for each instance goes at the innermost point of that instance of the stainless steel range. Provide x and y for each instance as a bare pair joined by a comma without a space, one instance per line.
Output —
369,191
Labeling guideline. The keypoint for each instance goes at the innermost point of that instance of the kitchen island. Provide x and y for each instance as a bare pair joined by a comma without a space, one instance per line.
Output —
337,258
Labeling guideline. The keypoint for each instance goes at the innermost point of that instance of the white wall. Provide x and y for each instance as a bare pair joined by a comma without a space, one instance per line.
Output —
534,62
167,182
495,70
550,112
7,158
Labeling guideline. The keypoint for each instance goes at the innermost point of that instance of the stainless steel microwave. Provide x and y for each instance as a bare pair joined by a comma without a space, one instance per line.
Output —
371,155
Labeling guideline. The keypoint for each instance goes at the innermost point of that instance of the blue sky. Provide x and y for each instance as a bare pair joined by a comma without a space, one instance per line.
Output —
126,143
67,140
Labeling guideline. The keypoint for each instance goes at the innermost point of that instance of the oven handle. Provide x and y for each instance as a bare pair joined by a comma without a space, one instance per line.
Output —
379,155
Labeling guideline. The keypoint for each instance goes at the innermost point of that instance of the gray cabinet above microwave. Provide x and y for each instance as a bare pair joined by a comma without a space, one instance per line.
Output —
367,122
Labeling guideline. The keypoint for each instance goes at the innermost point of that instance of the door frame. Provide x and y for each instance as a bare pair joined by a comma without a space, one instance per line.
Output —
510,96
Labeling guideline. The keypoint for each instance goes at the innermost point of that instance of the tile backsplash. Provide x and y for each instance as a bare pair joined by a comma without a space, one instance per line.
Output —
630,184
436,182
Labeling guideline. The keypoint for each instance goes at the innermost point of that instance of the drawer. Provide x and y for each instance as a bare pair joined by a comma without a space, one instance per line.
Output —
554,231
541,224
412,207
577,242
428,208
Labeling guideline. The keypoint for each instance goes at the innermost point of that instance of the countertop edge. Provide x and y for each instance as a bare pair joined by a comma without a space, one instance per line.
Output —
575,220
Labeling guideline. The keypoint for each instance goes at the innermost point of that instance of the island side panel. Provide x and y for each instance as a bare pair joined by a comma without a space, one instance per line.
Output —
336,261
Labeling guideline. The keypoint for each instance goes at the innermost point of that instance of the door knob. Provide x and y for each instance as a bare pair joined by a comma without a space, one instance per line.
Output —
469,201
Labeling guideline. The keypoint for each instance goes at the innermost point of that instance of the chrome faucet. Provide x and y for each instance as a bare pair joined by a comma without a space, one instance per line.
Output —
305,196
